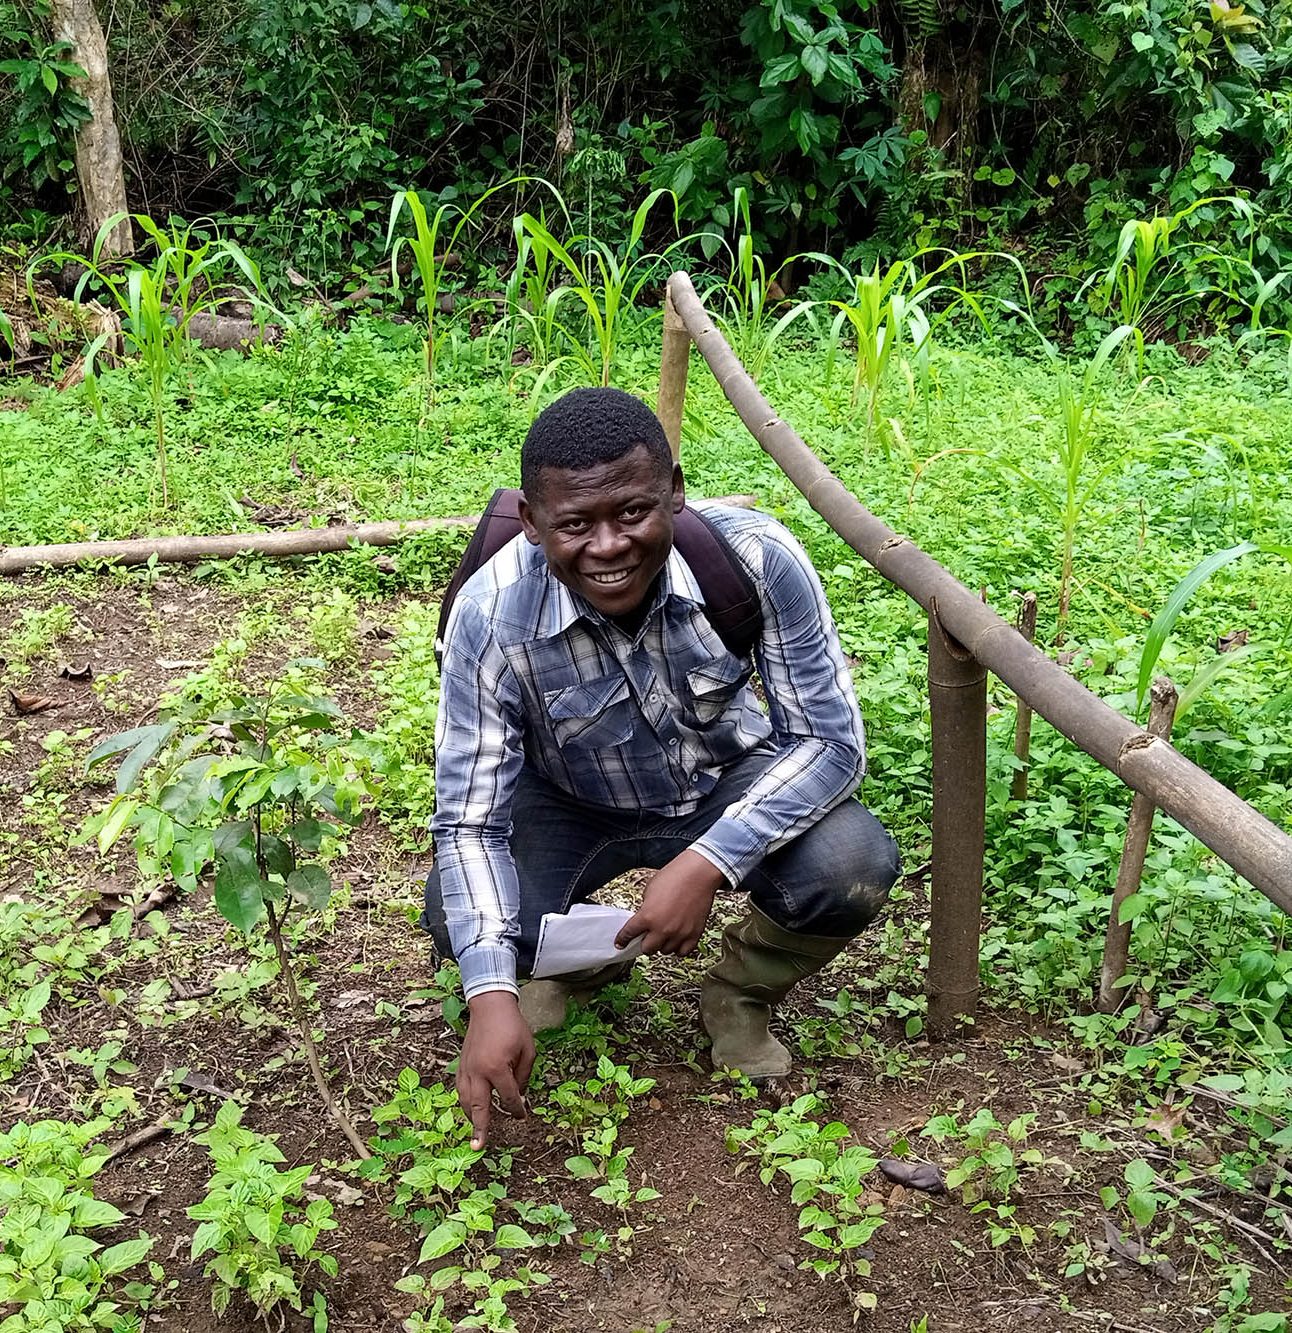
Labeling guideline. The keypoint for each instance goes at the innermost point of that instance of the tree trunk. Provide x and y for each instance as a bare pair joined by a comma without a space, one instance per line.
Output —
98,146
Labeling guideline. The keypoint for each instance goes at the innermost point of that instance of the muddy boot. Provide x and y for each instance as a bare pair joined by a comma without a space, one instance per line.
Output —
760,962
544,1004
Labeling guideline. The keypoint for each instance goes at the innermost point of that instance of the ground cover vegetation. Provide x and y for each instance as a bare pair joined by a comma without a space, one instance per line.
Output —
213,991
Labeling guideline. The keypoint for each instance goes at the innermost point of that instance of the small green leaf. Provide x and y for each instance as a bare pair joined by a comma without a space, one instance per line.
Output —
444,1239
1133,906
120,813
126,1255
581,1168
259,1223
512,1237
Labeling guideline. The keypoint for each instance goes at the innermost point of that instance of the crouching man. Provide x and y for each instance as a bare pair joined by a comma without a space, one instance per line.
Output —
592,720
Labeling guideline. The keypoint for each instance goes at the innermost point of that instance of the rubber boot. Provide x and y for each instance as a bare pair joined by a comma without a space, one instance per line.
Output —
544,1004
760,962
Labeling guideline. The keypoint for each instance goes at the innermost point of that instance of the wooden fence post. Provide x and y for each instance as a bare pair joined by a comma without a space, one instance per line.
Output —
1138,829
958,710
1023,715
674,361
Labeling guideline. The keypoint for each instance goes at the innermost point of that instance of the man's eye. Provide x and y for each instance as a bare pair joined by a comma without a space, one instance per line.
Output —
633,512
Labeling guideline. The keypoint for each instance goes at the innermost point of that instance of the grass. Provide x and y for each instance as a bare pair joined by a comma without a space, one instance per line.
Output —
328,433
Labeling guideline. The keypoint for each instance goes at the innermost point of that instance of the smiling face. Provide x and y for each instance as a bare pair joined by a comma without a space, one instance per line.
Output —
606,530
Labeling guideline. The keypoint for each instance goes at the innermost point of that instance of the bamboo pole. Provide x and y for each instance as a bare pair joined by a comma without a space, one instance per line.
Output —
958,712
674,361
1139,828
224,546
1023,715
1241,835
187,549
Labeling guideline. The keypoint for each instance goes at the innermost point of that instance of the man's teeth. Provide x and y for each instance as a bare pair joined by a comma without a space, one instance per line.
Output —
617,577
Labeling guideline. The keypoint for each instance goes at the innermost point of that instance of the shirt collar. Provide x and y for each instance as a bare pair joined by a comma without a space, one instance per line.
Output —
562,607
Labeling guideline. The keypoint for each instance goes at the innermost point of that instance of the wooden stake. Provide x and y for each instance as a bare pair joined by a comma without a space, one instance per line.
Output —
958,709
1023,717
1131,870
674,361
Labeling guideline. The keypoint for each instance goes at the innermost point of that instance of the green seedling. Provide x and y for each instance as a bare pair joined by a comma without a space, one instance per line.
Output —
262,791
827,1182
255,1221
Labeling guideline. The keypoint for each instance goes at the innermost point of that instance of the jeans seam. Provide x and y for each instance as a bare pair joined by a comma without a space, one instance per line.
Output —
583,865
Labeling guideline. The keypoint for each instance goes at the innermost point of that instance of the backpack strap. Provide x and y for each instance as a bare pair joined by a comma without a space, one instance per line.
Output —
731,602
499,523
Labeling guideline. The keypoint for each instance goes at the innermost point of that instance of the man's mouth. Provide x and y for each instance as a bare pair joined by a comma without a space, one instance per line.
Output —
612,578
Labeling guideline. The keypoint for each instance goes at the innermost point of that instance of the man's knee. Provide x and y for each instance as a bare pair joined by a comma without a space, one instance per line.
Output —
868,879
838,876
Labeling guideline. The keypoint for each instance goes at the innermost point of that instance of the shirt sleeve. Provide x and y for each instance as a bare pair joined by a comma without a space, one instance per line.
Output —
816,724
478,755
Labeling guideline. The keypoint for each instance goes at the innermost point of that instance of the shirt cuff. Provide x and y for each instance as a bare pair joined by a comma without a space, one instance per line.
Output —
733,847
486,967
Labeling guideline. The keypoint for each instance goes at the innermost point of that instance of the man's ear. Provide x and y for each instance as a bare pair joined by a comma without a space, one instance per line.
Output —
527,521
679,488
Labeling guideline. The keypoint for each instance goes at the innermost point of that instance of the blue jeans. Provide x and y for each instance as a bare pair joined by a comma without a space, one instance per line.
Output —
831,880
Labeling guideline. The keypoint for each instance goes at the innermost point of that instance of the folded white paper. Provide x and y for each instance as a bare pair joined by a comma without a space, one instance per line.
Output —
580,939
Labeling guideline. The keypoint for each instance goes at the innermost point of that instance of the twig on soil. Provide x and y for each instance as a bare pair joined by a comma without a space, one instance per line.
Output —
183,992
1106,1321
1253,1233
141,1137
1223,1100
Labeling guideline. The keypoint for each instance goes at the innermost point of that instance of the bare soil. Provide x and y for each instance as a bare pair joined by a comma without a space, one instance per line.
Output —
719,1249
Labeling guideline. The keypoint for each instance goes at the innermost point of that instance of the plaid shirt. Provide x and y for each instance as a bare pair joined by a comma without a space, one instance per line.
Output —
533,674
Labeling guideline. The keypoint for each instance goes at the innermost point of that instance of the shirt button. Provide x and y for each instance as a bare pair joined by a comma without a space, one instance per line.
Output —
695,777
673,741
654,699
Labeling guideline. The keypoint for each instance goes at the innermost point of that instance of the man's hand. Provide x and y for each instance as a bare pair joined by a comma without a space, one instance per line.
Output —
497,1056
675,906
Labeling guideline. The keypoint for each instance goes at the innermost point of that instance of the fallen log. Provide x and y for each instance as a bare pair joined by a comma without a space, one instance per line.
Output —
229,333
223,546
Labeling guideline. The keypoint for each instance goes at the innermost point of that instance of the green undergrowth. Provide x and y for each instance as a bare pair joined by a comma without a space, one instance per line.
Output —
1185,461
1188,460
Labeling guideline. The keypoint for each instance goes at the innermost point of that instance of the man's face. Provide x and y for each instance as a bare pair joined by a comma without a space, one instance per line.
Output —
606,530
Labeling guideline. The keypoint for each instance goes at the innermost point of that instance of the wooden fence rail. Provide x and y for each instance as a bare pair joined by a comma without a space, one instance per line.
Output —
1254,846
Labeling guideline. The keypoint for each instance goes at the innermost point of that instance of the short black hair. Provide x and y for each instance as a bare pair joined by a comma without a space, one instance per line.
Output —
587,427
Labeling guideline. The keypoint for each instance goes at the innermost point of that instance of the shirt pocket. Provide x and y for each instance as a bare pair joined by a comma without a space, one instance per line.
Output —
711,688
592,715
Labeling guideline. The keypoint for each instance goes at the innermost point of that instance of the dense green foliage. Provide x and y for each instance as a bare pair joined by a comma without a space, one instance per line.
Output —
867,121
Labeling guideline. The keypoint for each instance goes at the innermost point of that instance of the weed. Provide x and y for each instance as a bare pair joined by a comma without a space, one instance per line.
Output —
256,1222
54,1275
827,1183
37,631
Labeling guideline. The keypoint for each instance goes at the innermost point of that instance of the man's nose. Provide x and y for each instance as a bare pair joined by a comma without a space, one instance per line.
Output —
608,540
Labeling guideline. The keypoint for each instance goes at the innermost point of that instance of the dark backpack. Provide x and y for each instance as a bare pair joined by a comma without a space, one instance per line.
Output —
731,601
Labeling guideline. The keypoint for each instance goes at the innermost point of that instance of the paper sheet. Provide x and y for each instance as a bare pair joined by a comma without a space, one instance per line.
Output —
581,939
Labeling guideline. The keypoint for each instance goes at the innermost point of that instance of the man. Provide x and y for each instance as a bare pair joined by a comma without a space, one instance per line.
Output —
592,721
